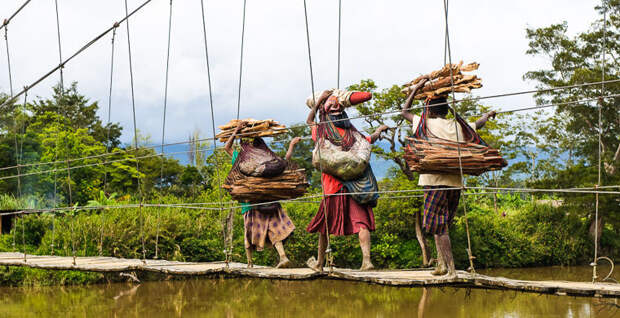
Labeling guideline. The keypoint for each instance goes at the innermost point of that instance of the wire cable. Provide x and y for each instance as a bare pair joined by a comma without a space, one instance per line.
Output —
600,146
8,59
241,59
217,168
8,20
135,137
526,108
62,85
456,127
78,52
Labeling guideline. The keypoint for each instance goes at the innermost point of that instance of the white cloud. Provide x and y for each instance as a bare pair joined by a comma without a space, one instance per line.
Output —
388,41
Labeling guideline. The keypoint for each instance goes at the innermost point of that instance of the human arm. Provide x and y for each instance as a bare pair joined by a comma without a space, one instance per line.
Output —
359,97
291,147
315,106
377,133
231,139
405,108
483,120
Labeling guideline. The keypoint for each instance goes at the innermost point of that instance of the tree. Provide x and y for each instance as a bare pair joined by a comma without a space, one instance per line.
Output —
573,130
76,108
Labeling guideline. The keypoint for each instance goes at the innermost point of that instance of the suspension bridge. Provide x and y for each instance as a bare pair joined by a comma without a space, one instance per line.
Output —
406,277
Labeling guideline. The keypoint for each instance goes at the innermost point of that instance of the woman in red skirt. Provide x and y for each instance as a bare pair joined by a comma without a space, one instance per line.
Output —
345,215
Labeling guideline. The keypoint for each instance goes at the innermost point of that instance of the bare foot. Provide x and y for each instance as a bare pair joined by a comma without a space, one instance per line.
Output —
439,271
314,265
284,263
367,266
449,275
250,265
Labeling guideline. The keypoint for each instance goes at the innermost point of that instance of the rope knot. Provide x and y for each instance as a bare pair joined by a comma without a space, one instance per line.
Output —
116,25
5,22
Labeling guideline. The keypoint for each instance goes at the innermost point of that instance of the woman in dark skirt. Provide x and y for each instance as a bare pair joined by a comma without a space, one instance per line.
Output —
266,224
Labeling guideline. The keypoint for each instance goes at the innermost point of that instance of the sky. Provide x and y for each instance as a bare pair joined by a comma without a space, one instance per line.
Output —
390,42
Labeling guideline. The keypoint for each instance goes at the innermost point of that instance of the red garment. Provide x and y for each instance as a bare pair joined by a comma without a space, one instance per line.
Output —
330,183
345,216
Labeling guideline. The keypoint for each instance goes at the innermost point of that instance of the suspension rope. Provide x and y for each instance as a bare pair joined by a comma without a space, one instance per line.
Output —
456,126
20,157
241,59
290,128
163,128
108,144
204,205
8,57
62,92
62,85
339,40
135,136
519,109
600,146
6,21
217,166
328,248
78,52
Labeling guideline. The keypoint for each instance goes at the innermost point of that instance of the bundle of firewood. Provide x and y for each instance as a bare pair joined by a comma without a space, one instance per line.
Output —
440,156
290,184
254,128
441,81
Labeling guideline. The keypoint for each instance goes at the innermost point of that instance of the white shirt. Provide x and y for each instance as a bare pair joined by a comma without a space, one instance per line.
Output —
446,129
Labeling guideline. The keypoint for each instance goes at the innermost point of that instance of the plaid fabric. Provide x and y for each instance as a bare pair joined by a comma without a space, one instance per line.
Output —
439,209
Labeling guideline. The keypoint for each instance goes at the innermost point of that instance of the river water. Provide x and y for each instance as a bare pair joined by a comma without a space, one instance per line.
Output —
241,297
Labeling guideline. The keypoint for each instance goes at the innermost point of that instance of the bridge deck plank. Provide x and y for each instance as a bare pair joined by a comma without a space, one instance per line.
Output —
383,277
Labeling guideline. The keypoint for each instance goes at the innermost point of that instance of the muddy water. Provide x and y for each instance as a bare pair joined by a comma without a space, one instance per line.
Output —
319,298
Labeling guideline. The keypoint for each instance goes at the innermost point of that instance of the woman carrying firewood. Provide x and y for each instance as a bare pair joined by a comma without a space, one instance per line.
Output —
440,204
350,188
264,223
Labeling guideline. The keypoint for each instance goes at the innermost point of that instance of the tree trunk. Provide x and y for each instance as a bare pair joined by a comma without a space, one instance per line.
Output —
421,239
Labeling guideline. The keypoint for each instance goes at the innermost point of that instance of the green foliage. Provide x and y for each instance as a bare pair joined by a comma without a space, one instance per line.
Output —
573,131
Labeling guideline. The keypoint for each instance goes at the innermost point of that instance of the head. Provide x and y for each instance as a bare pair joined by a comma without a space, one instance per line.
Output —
332,106
439,107
335,112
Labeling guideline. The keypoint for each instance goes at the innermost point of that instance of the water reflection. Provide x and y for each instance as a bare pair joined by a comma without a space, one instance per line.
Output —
264,298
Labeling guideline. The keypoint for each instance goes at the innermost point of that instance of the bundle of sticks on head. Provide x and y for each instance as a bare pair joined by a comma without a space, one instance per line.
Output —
439,156
442,81
290,184
254,128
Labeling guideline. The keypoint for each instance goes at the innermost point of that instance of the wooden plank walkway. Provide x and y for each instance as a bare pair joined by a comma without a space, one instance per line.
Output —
384,277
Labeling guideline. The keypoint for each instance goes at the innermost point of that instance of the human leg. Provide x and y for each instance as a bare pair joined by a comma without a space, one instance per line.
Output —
440,269
446,249
284,261
317,264
364,238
